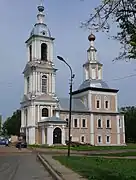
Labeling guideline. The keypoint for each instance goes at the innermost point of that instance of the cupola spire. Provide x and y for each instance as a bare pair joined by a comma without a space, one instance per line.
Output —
40,15
92,51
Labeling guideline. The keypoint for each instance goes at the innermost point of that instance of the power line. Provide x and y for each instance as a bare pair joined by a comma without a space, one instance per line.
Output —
125,77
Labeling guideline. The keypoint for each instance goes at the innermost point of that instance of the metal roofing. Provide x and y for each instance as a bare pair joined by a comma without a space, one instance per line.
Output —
94,83
77,104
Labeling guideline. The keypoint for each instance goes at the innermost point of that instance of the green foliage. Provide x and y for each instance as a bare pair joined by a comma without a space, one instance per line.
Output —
12,125
130,123
100,168
122,14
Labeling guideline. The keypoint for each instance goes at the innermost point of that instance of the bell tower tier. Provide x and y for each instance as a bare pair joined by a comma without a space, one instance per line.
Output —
92,68
39,97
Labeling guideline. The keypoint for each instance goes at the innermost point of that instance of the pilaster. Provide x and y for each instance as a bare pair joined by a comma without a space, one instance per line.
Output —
50,135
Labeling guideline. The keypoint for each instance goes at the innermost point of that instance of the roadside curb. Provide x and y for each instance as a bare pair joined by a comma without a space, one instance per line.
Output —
53,172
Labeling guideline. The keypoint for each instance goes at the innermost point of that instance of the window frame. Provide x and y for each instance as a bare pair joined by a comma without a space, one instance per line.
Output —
82,136
98,98
109,139
44,86
74,123
46,112
109,124
98,123
98,139
85,122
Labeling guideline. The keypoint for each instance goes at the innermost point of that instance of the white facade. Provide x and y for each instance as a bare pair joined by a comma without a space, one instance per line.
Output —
39,98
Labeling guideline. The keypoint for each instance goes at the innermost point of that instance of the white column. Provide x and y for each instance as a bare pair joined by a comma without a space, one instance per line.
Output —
36,82
43,135
63,135
118,129
116,102
32,115
53,83
31,83
22,118
50,135
25,85
89,101
123,126
32,135
57,114
38,113
92,130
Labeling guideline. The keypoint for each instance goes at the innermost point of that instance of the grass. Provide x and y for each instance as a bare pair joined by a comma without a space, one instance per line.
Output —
124,154
101,169
88,148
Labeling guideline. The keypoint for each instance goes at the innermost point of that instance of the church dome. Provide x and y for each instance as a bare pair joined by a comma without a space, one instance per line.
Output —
91,37
94,83
41,29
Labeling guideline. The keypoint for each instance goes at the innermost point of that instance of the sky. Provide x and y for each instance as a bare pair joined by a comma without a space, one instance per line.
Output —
63,18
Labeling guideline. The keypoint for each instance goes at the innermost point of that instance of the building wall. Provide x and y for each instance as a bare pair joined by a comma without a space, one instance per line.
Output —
79,131
102,98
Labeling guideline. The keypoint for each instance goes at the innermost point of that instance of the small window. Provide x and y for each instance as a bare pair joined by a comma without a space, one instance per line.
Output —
67,122
99,123
108,123
45,112
108,139
82,139
119,123
28,84
106,104
99,139
44,84
75,123
44,52
30,52
83,123
98,104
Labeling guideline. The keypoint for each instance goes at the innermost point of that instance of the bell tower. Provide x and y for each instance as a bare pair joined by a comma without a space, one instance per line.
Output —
39,73
92,68
39,97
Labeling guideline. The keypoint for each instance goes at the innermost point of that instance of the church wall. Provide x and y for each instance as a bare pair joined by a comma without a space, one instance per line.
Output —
78,132
111,100
104,131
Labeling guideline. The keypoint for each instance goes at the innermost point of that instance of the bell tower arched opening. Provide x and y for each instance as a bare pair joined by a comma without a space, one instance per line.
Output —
44,52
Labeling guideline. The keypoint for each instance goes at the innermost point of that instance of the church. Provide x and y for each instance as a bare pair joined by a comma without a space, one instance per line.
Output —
44,116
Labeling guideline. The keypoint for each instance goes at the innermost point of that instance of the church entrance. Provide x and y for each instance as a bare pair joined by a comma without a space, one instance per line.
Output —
57,136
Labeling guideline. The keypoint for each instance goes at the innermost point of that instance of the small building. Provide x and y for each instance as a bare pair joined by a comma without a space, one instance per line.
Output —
44,116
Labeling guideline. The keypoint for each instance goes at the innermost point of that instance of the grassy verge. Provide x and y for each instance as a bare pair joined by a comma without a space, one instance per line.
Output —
88,148
125,154
100,168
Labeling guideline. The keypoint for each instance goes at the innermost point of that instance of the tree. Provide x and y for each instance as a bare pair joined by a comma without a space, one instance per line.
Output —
130,123
122,14
12,125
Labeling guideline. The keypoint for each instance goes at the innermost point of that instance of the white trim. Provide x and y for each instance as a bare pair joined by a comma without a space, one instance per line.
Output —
109,139
77,123
82,123
81,138
92,129
103,93
118,129
109,123
101,122
98,139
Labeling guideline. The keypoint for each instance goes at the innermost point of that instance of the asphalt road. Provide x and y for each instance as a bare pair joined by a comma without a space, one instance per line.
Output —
22,166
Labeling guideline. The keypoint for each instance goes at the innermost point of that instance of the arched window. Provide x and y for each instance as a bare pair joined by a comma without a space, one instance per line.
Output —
44,112
30,52
28,84
99,123
44,51
44,84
